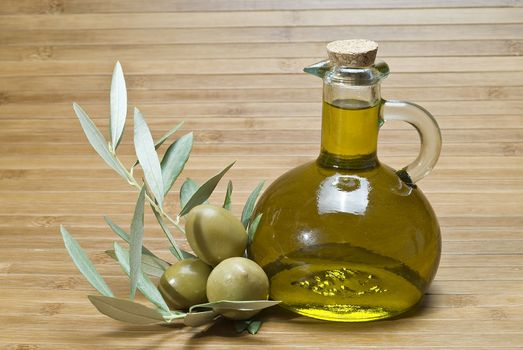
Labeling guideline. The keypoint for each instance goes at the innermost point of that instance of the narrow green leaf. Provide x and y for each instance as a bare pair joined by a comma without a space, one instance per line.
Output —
118,97
251,326
84,264
227,202
144,146
247,305
167,232
117,229
241,325
162,139
144,284
253,226
125,310
178,255
204,191
189,187
174,160
149,266
249,205
148,191
95,138
168,134
254,326
136,242
185,254
123,235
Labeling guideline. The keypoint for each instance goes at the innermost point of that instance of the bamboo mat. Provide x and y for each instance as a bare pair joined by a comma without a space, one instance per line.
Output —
232,70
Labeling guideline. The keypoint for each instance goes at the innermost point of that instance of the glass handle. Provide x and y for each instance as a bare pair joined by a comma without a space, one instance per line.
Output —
428,131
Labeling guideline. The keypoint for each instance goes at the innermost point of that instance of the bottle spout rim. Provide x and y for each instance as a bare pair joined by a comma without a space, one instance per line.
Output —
361,76
318,69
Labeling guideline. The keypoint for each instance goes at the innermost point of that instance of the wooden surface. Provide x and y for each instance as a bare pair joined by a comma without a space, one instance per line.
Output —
232,70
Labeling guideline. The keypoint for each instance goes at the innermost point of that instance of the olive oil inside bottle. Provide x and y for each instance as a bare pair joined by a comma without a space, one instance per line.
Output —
344,238
346,245
344,286
352,120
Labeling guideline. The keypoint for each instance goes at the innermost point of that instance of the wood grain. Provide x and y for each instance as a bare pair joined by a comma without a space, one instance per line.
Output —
232,70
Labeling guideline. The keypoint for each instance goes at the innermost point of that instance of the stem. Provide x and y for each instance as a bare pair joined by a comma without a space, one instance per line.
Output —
159,213
160,210
132,181
172,317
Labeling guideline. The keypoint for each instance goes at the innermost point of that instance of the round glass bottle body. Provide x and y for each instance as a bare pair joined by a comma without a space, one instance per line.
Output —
344,238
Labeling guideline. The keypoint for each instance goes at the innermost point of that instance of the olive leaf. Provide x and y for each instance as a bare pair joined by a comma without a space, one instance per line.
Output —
168,134
241,325
253,226
185,254
84,264
254,326
136,242
148,191
177,253
195,319
149,265
187,190
118,98
251,326
227,201
95,138
247,305
145,151
204,191
144,284
174,160
145,252
158,143
125,310
162,139
249,205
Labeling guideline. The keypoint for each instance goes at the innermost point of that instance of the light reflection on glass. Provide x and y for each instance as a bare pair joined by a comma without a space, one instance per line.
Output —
343,194
307,238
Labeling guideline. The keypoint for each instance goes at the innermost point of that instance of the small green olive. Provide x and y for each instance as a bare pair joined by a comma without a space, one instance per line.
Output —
237,279
183,284
215,234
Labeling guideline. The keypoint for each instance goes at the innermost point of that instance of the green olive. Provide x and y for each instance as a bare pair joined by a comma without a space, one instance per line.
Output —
183,284
215,234
237,279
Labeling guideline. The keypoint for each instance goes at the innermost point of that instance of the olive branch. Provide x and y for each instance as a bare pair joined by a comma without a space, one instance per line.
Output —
138,262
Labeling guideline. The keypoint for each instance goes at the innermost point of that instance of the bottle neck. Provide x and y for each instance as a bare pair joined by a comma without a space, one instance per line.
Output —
350,123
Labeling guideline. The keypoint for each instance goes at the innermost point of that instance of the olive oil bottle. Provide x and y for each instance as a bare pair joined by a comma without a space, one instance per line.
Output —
345,237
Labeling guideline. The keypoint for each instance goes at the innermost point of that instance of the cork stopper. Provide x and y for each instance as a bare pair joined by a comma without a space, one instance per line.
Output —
352,53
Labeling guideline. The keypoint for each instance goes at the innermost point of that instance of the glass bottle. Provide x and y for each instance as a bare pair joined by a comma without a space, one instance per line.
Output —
345,237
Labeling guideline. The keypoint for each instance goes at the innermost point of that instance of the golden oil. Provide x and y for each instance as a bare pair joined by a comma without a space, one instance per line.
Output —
359,123
345,290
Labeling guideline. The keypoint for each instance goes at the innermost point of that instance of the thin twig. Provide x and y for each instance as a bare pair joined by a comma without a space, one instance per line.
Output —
132,181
